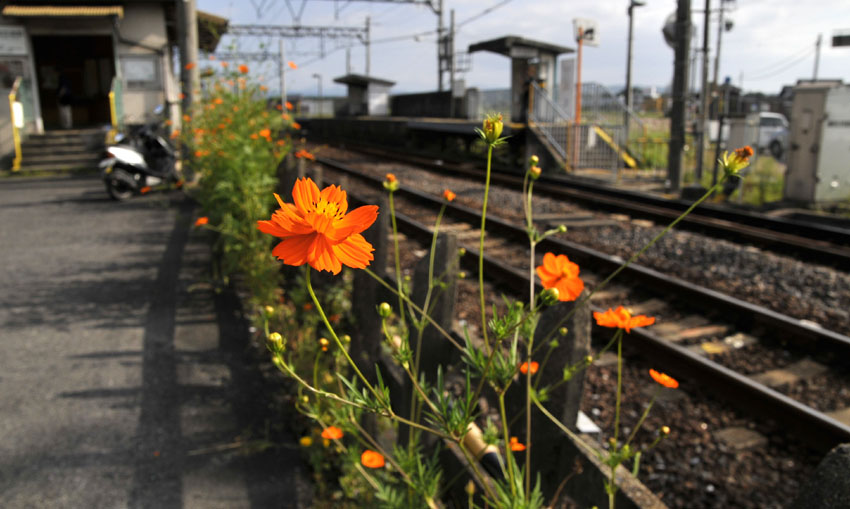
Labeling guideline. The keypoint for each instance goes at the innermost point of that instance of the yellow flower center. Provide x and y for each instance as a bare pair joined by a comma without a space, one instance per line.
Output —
328,209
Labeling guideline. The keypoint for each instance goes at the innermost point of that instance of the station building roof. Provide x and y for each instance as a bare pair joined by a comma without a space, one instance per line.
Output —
361,80
516,46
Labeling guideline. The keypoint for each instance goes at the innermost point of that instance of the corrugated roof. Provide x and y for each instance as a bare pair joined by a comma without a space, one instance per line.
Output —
56,11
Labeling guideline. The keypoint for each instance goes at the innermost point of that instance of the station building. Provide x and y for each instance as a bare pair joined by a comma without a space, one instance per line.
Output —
104,62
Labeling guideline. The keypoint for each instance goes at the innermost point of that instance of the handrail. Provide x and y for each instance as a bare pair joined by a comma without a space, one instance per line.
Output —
113,114
16,135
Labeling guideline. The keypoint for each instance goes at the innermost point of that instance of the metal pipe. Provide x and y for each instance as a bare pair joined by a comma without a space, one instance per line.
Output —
703,114
680,93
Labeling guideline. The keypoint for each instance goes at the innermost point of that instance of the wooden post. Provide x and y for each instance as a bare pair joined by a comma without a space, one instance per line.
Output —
368,293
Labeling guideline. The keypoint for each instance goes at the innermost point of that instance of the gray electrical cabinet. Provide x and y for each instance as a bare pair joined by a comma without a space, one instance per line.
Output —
819,157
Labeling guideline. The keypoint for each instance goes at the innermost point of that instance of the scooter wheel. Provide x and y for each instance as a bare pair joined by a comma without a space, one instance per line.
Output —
120,185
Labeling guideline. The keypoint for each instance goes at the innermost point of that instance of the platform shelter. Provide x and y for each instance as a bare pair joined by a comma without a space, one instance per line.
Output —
366,95
530,61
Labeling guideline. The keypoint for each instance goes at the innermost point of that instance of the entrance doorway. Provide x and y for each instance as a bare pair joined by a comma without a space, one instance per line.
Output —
80,69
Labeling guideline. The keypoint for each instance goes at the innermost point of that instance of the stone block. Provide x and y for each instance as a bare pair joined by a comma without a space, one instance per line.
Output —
740,439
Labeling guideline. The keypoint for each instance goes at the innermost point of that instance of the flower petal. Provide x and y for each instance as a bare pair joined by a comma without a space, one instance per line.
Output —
305,194
354,222
294,250
354,252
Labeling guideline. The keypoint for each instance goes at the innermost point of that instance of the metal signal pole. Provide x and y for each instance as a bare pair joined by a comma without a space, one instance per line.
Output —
704,93
680,91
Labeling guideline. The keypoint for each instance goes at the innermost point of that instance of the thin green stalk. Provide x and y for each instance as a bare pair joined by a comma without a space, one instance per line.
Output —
335,337
506,433
397,264
642,418
481,249
635,256
619,385
410,303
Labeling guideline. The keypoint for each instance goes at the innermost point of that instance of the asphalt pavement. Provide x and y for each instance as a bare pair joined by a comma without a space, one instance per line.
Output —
123,375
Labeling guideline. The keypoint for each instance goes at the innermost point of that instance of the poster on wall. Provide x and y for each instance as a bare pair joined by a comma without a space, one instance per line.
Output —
13,41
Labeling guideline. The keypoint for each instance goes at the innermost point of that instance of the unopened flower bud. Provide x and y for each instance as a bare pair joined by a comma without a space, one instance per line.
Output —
276,341
563,331
461,275
323,342
269,310
534,160
588,360
470,488
305,399
535,172
554,344
385,310
550,296
461,251
492,129
665,430
562,228
346,338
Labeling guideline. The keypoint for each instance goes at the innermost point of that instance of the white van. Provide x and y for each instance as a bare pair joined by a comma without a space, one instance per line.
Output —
773,133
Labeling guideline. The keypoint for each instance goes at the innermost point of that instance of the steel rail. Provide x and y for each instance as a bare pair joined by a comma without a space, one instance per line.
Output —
830,244
810,425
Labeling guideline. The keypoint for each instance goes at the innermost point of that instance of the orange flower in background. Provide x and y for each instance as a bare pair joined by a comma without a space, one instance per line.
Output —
175,133
243,69
621,318
391,178
523,368
332,433
224,64
186,118
288,105
145,190
449,195
317,229
296,125
372,459
190,66
263,88
181,96
218,100
292,65
664,379
266,133
306,155
560,273
744,152
202,221
279,107
515,445
285,116
254,136
199,153
212,57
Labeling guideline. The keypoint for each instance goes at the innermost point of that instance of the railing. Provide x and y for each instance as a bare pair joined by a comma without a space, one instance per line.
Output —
116,109
549,119
16,113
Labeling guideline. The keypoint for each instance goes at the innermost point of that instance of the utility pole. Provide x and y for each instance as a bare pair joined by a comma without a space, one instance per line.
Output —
628,98
720,27
451,46
282,68
347,60
679,93
703,113
187,26
440,46
368,46
817,58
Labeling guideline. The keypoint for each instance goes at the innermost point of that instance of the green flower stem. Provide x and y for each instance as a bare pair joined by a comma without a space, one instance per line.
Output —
635,256
400,292
619,385
483,303
336,338
508,452
643,417
530,340
406,299
474,464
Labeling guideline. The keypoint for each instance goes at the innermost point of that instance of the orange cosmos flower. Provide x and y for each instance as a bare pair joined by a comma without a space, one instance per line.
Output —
190,66
317,230
744,152
449,195
292,65
202,221
243,69
224,64
332,433
560,273
391,178
212,57
288,105
664,379
218,100
523,368
145,190
266,133
622,318
279,107
306,155
263,88
199,153
296,125
186,118
372,459
175,133
515,445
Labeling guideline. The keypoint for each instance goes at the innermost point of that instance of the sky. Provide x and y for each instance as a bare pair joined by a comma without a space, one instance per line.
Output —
771,44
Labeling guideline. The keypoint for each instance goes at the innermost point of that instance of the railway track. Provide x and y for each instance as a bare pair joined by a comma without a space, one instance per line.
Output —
684,344
825,243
